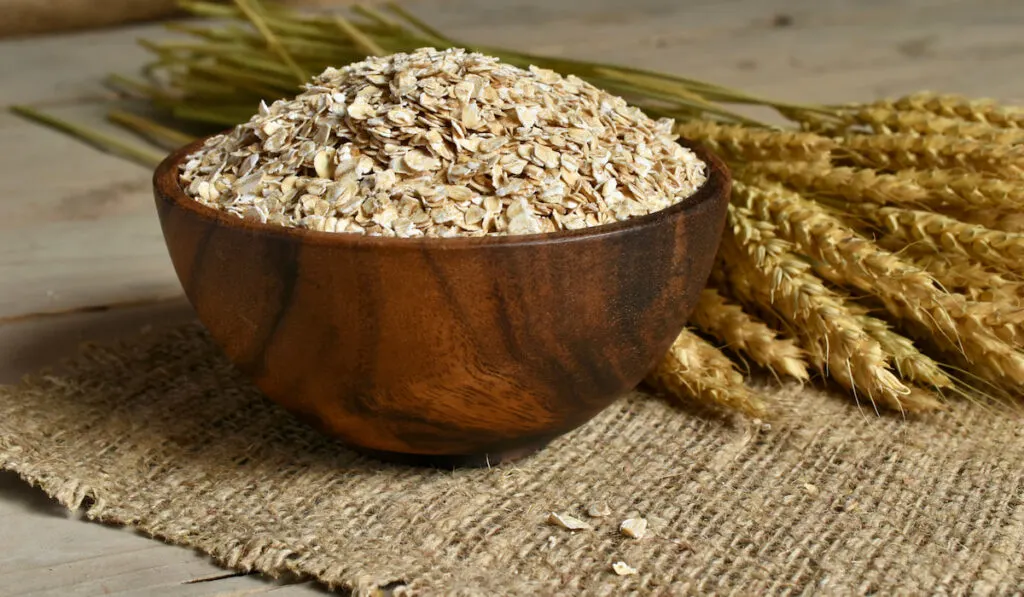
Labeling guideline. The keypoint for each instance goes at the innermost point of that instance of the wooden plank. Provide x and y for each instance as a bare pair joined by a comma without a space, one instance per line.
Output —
39,342
77,227
61,67
80,230
837,51
47,551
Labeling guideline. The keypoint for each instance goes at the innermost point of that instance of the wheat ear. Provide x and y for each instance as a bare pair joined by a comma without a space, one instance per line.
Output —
954,106
996,219
843,257
743,332
936,152
959,274
941,189
965,189
694,369
765,270
854,184
912,364
885,118
748,143
1002,250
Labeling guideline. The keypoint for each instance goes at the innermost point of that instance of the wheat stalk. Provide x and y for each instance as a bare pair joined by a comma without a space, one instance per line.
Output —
946,235
884,118
843,257
747,143
743,332
900,151
966,189
854,184
765,270
957,273
832,124
694,369
954,106
912,364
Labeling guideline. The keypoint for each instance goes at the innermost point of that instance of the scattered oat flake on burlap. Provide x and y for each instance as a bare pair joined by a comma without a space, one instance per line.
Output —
599,510
567,522
623,569
634,528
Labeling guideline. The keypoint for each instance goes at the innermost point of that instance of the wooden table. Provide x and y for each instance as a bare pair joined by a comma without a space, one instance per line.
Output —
81,256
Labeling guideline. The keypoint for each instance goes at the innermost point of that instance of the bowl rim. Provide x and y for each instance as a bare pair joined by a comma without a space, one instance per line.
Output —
168,189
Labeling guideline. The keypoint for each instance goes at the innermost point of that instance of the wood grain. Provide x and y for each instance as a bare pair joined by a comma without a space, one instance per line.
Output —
475,349
840,51
45,551
33,17
57,255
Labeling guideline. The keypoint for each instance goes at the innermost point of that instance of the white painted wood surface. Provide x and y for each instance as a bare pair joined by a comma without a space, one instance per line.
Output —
77,228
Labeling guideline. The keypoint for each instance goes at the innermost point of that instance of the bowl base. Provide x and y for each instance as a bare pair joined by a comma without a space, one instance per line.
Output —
452,461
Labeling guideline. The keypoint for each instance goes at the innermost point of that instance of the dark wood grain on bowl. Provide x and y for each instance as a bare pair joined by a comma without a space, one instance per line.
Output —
466,348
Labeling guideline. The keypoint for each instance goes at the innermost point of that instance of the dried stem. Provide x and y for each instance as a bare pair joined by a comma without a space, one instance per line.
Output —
360,39
136,153
166,138
253,14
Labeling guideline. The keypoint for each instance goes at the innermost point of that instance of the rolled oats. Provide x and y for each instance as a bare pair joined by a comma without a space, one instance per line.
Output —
444,143
634,528
623,569
567,522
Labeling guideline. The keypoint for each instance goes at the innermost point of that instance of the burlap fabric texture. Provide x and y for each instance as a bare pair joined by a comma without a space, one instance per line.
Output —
163,436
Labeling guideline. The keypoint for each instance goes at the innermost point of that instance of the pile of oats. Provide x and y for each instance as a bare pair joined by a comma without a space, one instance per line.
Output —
444,143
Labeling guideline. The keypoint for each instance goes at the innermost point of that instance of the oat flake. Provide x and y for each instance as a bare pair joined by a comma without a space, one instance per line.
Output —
444,143
634,528
567,522
623,569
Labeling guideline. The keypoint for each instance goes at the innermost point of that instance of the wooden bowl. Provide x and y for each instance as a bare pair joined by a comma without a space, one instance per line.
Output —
461,351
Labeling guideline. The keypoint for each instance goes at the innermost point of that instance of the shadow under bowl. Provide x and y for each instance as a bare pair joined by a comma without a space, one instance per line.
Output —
444,351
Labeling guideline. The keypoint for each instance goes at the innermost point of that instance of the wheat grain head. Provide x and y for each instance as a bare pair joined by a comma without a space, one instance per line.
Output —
693,369
954,106
741,331
764,270
843,257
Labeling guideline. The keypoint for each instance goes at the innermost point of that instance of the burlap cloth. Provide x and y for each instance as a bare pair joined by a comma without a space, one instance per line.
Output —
163,436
